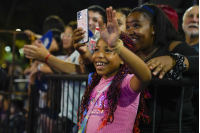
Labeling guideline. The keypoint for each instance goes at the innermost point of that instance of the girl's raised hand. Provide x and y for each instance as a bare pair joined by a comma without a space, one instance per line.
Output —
111,33
36,51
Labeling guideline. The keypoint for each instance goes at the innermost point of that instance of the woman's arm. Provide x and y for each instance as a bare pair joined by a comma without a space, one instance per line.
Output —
44,68
163,64
190,54
31,33
63,66
82,65
28,70
32,75
39,52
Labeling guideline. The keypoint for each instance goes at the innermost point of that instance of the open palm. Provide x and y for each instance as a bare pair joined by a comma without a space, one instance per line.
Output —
111,33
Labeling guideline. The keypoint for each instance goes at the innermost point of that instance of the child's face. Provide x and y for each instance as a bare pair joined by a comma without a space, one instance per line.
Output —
105,61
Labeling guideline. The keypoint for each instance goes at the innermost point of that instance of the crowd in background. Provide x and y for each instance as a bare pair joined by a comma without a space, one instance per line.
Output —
63,47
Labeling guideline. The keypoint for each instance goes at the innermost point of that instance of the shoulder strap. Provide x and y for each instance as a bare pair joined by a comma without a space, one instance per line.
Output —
83,125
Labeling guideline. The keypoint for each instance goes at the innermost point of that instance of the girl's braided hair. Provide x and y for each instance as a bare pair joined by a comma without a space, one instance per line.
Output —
113,93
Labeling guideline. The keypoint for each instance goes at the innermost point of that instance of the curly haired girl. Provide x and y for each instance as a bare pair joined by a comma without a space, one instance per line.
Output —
110,102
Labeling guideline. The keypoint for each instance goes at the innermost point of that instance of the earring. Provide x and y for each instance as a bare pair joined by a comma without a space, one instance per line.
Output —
152,32
122,63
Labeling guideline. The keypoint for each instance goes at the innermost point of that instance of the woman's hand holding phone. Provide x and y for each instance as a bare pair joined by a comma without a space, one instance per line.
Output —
79,35
82,47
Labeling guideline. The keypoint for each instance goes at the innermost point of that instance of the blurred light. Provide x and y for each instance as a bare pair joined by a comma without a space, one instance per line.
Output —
21,51
7,48
18,29
4,65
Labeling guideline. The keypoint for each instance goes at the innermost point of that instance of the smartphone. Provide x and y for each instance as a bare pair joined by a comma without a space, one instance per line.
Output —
82,21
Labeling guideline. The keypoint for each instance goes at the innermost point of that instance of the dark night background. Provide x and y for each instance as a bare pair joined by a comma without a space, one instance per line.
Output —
30,14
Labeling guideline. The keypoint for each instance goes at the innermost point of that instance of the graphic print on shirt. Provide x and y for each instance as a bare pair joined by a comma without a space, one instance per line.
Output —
98,107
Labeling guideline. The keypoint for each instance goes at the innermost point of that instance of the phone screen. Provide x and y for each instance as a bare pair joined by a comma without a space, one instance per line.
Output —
82,21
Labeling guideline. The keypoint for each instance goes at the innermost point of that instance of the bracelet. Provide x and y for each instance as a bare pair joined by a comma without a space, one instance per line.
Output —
176,72
117,49
47,57
39,66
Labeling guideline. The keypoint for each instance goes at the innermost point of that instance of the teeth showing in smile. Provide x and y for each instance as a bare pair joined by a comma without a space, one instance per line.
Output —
100,64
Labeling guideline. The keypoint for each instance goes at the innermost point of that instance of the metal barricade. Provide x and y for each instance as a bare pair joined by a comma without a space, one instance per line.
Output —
66,98
57,111
186,81
10,87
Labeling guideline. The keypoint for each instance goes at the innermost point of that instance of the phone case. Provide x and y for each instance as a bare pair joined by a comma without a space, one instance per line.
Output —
82,21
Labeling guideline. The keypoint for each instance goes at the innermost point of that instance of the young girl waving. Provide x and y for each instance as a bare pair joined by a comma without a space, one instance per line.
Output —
111,101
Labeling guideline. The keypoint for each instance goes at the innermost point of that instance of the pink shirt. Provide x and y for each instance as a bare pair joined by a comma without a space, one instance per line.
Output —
125,114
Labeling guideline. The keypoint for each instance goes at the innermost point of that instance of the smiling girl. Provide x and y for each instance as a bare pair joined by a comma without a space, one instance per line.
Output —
111,101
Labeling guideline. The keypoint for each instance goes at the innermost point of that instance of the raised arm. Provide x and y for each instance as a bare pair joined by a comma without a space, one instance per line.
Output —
30,33
111,36
39,52
81,47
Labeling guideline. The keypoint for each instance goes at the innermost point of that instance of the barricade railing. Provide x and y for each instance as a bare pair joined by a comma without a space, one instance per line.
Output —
4,113
184,82
63,96
14,34
59,96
